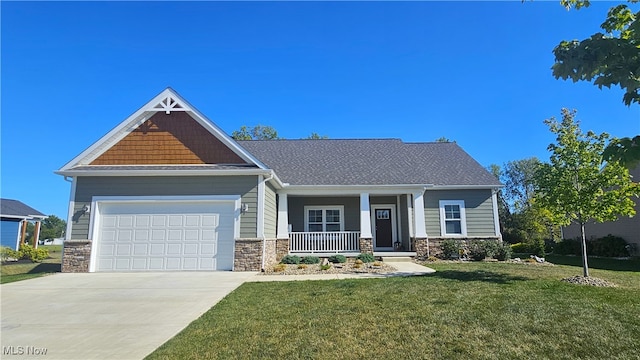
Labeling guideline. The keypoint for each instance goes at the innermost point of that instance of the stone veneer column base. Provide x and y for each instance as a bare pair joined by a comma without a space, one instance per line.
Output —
76,256
248,255
366,245
282,249
422,248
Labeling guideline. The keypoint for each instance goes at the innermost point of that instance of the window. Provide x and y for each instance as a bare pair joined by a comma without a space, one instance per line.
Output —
324,218
452,218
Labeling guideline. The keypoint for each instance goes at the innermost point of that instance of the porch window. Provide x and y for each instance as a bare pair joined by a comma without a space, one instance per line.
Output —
324,218
452,218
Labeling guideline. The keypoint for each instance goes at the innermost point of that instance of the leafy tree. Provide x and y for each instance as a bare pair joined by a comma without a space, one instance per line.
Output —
257,132
577,186
607,58
518,179
316,136
53,227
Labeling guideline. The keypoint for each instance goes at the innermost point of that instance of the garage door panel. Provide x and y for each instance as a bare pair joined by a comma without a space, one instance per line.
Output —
157,250
156,263
166,236
174,249
125,221
140,249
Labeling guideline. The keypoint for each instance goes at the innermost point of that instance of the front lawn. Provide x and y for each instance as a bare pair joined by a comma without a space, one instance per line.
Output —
463,311
10,272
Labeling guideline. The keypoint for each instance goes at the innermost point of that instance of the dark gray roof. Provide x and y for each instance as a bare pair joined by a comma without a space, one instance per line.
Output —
15,208
369,162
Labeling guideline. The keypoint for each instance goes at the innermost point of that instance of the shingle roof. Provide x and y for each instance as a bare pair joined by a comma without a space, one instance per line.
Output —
369,162
15,208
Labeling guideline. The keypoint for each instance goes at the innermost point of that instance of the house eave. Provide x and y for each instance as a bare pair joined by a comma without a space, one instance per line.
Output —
466,187
319,190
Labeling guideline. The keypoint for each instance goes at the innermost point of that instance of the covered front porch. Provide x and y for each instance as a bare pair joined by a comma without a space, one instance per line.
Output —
381,222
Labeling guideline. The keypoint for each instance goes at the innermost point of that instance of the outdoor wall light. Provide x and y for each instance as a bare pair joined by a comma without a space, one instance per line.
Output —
244,208
86,209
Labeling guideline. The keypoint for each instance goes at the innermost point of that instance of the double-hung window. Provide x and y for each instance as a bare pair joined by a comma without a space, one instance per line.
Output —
453,220
324,218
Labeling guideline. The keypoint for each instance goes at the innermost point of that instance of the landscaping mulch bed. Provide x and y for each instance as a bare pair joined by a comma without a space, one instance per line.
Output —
591,281
349,267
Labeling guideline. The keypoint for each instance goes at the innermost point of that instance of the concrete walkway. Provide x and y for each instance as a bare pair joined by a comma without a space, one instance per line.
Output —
105,315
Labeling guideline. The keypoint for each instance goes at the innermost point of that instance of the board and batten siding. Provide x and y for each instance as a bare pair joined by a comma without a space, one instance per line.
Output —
478,207
89,186
351,205
270,212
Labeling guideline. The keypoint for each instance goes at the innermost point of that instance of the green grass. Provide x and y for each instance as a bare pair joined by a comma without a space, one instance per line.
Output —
463,311
597,262
11,272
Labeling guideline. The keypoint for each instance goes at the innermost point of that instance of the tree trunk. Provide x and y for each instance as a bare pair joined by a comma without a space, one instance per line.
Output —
583,248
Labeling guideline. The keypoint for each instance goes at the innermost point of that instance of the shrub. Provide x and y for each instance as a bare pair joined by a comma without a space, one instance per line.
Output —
279,267
608,246
325,267
302,266
7,252
432,258
310,260
503,252
337,259
480,249
567,247
359,262
377,263
367,258
450,248
535,247
33,254
290,259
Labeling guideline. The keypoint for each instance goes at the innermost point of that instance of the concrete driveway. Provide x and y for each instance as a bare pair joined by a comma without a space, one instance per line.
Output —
105,315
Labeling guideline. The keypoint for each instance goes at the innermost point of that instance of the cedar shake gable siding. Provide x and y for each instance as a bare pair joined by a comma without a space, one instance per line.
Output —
165,139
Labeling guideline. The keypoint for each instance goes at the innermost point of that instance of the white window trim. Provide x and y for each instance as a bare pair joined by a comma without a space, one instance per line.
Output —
463,218
323,208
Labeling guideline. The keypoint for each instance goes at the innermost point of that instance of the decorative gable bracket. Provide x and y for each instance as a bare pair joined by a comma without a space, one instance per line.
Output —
169,104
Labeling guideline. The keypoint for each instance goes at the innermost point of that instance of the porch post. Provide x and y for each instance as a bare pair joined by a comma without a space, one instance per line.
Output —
366,242
283,217
421,241
36,235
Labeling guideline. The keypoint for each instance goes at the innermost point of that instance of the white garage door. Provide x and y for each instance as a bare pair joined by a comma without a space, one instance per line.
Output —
165,236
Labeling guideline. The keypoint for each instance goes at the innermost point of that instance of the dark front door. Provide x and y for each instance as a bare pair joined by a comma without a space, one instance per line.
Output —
384,232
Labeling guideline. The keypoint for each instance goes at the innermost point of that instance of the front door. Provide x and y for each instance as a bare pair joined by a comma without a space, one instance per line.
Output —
384,227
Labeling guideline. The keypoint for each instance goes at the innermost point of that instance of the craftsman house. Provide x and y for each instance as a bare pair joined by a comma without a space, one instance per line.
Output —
167,190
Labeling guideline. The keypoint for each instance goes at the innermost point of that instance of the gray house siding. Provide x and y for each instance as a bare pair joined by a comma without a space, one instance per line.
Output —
87,187
478,208
351,210
270,211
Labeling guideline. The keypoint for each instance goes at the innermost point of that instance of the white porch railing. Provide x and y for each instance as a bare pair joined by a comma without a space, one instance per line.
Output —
324,242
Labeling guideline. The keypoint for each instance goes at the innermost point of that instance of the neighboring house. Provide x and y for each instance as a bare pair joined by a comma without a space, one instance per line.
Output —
14,216
167,189
626,227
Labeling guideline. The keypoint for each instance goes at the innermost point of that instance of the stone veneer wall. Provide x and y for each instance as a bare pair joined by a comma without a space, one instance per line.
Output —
270,253
366,245
248,255
76,256
282,249
422,248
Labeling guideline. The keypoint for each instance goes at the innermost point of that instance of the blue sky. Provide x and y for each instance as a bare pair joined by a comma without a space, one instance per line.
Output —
474,72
